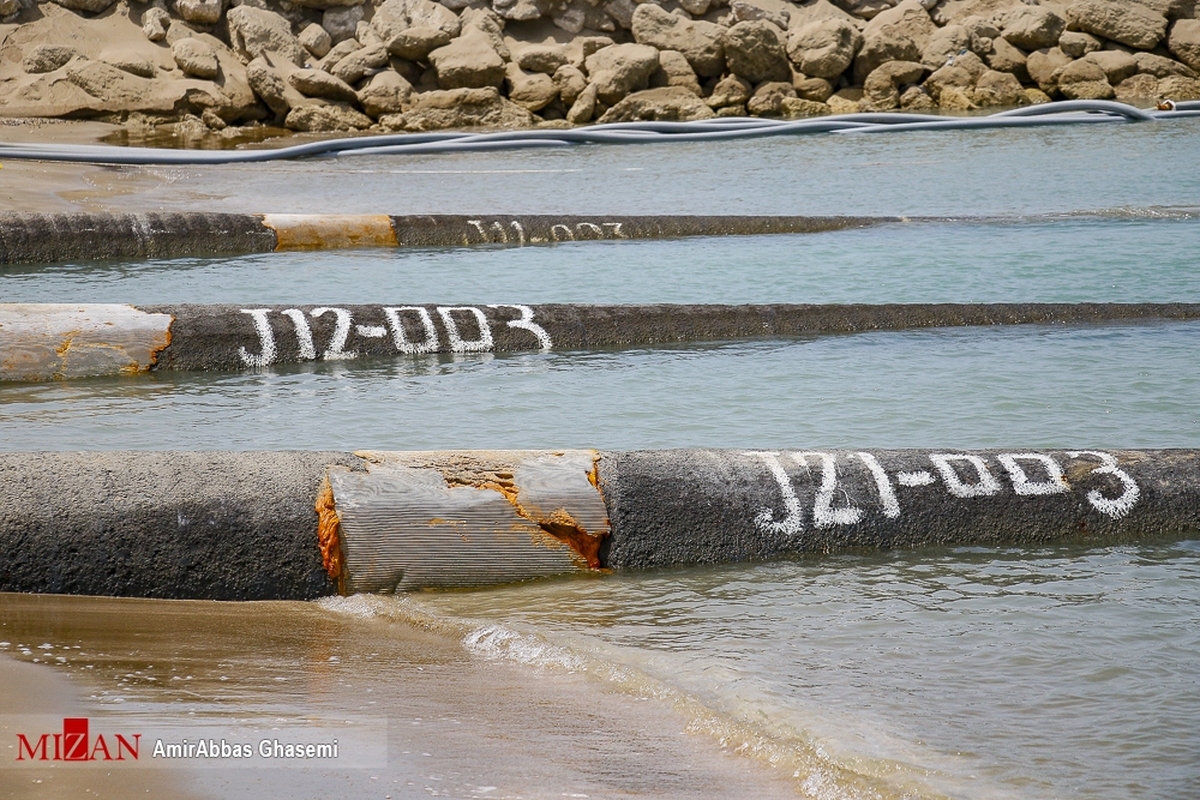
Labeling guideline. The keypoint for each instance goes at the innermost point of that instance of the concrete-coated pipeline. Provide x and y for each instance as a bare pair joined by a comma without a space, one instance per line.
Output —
259,525
31,238
56,341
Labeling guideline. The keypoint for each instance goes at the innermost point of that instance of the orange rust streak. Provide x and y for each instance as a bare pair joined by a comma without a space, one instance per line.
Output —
154,351
329,537
562,526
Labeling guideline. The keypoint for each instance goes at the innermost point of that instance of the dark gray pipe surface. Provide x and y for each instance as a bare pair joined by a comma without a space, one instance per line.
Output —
226,337
221,526
224,525
27,238
715,506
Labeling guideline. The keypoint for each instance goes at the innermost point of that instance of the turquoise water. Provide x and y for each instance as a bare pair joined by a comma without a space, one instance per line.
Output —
972,673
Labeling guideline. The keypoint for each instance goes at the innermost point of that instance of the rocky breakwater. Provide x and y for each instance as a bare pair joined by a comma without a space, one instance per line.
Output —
414,65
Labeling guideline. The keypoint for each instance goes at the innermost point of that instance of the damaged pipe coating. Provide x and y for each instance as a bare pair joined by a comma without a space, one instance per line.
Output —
58,341
291,525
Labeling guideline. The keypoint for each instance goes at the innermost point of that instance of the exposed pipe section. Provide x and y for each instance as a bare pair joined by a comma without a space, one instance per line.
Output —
1065,112
57,341
259,525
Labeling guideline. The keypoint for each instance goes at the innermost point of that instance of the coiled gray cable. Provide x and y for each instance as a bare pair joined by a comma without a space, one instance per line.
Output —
1059,113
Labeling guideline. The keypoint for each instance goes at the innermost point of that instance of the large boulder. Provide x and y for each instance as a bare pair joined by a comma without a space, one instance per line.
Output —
386,93
326,117
468,62
270,87
47,58
996,89
319,83
358,64
200,12
1031,27
459,108
669,103
412,29
824,48
1117,64
1161,67
945,44
730,91
1078,44
881,91
255,31
700,42
545,58
530,90
196,58
90,6
1184,42
619,69
898,34
674,70
1043,65
1083,80
866,9
1007,57
753,49
1123,21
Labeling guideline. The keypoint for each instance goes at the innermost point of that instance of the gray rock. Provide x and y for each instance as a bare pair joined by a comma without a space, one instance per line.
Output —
255,31
825,48
619,69
1122,21
700,42
196,58
47,58
669,103
341,23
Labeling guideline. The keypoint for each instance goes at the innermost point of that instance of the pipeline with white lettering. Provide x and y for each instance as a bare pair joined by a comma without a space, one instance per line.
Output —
288,525
59,341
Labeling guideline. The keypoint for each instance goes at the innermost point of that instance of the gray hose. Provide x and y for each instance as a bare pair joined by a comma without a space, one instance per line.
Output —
1058,113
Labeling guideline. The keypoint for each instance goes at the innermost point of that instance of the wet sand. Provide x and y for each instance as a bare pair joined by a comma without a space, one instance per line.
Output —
458,725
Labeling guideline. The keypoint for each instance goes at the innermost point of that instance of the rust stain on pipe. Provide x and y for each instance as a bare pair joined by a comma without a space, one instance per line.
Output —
329,530
557,522
330,231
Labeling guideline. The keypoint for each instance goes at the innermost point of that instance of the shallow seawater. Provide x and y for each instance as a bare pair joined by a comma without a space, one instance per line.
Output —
965,672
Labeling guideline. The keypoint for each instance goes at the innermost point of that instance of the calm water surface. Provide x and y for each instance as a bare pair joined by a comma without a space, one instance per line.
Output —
970,673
